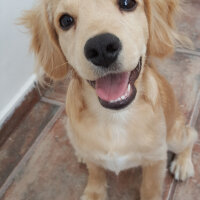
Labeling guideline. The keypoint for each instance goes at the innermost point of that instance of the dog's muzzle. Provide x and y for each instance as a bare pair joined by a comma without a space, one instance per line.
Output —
116,91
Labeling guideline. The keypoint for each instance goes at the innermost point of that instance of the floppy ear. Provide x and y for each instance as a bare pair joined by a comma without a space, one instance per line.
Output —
45,41
160,14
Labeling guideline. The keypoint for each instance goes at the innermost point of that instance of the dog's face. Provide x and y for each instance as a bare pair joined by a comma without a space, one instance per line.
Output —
104,38
104,41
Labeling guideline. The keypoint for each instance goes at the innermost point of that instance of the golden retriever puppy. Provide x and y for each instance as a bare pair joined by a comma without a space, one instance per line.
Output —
121,112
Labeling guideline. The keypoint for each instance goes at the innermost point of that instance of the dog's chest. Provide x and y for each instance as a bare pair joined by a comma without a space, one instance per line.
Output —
116,155
114,148
117,144
116,162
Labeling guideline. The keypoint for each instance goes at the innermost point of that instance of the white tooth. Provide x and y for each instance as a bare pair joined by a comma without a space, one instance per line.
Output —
123,97
129,88
120,98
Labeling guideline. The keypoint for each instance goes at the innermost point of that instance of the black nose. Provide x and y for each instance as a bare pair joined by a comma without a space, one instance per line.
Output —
103,50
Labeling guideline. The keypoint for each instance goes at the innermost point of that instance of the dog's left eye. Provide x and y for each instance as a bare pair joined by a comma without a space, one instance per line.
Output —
127,5
66,21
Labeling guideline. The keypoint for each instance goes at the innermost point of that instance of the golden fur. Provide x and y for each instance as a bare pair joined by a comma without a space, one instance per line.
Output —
139,135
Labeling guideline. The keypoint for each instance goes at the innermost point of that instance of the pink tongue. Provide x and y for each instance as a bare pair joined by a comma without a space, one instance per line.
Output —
112,86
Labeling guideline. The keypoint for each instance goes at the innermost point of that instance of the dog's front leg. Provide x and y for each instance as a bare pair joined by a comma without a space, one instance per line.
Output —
96,186
152,181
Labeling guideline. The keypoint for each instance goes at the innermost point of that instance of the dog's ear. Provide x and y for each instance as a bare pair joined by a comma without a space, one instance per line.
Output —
45,41
163,36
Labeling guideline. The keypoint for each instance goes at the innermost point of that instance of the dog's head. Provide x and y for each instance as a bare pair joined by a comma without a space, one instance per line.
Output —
106,42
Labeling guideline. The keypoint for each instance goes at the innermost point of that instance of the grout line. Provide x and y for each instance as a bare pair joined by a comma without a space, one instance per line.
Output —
171,190
192,122
46,99
38,89
29,153
195,112
51,101
187,51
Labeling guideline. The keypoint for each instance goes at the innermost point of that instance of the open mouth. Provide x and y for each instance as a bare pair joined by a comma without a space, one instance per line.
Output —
116,91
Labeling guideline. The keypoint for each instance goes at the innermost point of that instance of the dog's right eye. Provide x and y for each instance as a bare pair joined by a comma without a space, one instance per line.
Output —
127,5
66,21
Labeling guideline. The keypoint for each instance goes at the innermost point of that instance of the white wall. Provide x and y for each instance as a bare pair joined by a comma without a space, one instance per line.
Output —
16,62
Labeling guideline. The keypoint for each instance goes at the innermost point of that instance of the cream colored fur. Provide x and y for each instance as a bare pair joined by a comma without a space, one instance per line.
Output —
138,135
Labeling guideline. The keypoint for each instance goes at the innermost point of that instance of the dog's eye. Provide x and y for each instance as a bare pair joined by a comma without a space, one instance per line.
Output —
66,21
127,5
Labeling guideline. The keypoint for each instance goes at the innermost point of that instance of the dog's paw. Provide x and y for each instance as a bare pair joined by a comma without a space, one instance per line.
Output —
182,169
93,196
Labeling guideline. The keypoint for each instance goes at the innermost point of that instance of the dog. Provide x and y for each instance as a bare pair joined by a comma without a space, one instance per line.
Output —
121,112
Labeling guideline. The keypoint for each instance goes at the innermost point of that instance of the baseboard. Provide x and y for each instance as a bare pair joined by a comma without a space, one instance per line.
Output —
17,108
17,100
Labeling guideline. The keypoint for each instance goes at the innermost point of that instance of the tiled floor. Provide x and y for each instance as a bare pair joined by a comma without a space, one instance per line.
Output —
37,162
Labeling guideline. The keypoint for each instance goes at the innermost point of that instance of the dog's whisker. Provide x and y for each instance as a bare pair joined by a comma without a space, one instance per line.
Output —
61,65
54,68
